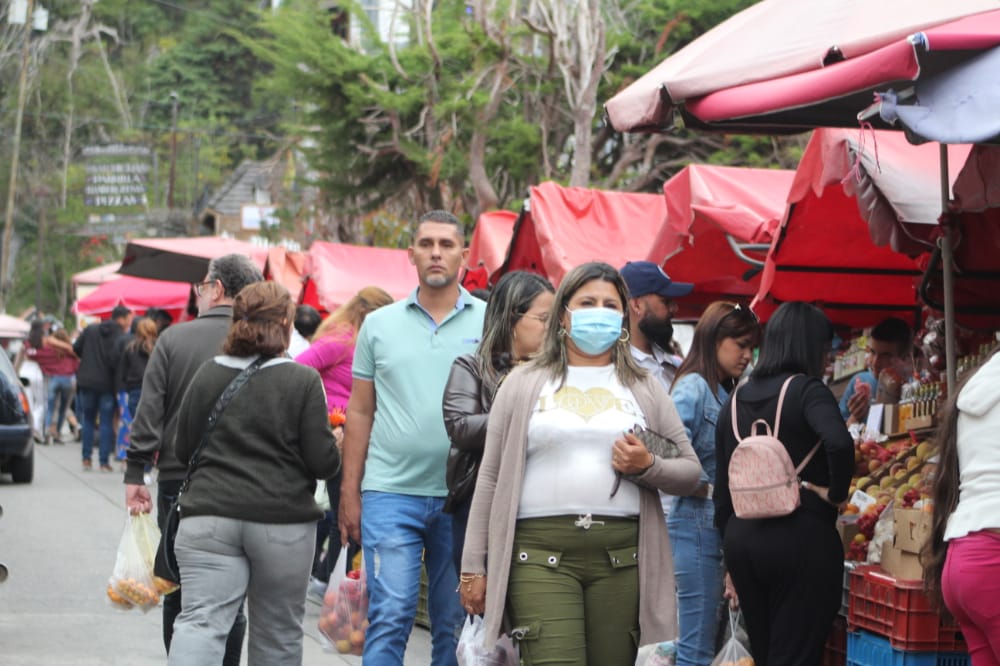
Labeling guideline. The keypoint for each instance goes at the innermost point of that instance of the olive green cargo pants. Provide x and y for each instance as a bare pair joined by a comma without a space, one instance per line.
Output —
573,596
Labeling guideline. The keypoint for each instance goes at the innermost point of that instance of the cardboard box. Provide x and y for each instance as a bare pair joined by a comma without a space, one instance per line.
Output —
901,564
901,558
913,528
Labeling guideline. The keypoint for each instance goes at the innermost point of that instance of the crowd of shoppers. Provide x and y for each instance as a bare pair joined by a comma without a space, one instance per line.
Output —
510,451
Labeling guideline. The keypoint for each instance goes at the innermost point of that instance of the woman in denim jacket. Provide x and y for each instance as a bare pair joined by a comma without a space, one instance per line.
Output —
721,349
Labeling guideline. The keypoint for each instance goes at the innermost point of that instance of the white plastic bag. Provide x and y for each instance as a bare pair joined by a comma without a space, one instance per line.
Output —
472,653
343,620
132,582
733,652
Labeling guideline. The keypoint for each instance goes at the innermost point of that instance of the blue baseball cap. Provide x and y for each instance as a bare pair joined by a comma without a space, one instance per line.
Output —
645,277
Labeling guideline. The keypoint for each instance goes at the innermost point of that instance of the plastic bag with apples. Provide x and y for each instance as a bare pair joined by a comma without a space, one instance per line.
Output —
132,582
343,620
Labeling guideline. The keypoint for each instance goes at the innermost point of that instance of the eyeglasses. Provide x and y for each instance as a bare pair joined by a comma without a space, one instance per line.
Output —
544,318
199,286
753,315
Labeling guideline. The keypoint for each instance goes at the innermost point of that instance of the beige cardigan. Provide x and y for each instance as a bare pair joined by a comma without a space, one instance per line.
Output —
493,514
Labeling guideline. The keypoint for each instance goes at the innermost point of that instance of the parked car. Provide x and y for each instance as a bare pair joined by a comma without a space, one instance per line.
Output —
17,446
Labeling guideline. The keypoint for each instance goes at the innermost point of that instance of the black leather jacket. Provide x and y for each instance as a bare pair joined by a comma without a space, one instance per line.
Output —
466,407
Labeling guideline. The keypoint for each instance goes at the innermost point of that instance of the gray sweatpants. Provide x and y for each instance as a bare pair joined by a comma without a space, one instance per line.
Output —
221,561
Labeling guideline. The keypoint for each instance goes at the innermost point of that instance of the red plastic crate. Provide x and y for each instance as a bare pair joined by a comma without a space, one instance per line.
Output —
835,649
900,611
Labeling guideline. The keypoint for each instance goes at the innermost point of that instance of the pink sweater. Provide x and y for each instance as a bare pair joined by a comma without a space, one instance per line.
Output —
332,356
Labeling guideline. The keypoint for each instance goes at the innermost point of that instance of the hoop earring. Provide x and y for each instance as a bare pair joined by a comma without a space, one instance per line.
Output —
625,336
562,332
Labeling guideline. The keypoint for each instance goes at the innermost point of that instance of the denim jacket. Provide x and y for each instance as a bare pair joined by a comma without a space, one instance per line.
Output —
699,410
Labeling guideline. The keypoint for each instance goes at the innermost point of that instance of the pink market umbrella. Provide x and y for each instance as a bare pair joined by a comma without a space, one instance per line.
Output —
791,65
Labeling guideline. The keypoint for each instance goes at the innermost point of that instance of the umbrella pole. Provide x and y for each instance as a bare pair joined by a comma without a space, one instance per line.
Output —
947,261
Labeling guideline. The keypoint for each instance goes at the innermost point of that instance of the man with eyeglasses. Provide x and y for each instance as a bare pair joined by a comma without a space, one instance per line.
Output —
888,347
179,352
651,331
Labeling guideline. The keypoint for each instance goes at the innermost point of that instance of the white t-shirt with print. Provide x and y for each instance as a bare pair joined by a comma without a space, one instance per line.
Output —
570,439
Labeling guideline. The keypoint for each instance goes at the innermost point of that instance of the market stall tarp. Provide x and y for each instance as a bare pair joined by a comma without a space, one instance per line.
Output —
137,294
801,56
98,274
562,227
12,327
183,259
491,238
337,271
706,207
823,251
286,268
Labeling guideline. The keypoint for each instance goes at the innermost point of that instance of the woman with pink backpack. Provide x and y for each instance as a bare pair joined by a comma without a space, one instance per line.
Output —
781,546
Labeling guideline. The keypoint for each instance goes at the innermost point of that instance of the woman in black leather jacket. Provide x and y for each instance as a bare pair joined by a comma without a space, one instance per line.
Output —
517,312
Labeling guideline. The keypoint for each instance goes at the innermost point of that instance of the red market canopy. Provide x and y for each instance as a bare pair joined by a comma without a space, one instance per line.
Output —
336,272
713,212
798,64
488,247
182,259
137,294
491,238
562,227
286,268
842,197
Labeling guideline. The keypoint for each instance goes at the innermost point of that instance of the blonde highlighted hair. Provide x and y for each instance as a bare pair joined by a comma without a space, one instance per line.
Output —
347,319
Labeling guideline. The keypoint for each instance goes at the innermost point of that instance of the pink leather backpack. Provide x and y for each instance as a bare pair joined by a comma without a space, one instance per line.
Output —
763,483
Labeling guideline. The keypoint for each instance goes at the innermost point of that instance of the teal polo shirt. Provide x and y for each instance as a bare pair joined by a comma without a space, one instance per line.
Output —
409,357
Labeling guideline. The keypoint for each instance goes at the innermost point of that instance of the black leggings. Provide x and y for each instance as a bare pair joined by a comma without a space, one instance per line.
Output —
788,573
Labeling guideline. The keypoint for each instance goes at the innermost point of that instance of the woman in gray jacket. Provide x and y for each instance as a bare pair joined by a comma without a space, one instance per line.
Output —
568,556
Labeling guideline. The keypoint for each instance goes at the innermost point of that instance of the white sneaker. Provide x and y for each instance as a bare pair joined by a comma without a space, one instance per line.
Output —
315,590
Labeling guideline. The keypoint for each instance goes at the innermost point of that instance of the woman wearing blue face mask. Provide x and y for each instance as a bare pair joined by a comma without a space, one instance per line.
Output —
583,574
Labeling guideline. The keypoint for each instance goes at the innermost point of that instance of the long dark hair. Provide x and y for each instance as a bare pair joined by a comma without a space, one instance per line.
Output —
796,339
508,302
36,334
945,493
719,321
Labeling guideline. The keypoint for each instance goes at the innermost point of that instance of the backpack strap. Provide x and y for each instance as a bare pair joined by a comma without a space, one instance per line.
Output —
777,419
805,461
781,402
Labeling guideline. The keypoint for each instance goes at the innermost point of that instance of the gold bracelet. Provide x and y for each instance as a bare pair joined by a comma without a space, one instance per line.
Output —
468,578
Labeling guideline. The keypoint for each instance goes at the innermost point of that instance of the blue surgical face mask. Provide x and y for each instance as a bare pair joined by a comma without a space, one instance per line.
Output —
594,330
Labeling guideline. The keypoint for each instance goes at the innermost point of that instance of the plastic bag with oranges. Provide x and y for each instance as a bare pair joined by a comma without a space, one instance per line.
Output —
132,583
733,652
343,620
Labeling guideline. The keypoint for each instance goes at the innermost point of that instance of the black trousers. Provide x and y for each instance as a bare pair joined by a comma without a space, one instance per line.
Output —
166,494
788,573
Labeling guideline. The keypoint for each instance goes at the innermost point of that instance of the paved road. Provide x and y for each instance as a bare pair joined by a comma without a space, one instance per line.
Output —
58,537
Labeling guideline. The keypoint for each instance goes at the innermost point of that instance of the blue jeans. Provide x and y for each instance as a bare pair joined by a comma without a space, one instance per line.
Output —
698,570
395,529
94,406
61,393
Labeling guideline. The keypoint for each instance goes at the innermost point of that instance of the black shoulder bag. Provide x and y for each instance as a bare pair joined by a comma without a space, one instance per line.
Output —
165,565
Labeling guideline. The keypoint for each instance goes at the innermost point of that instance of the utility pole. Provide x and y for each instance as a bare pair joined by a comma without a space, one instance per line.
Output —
8,223
42,195
174,97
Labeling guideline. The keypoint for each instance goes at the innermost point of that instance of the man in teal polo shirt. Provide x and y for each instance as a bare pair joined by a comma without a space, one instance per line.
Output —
395,446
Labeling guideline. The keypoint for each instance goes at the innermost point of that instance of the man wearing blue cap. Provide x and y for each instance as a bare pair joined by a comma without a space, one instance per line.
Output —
651,301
